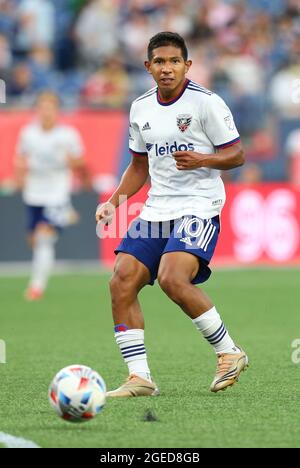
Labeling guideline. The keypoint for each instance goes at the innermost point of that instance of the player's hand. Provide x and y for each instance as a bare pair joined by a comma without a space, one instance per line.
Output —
105,213
187,160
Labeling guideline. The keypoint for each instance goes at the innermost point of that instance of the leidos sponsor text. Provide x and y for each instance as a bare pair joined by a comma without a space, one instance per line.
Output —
169,149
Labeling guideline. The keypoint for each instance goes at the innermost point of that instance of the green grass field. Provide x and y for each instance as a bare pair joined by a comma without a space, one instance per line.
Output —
73,325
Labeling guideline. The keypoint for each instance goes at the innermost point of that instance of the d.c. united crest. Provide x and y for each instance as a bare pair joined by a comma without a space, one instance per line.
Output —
183,121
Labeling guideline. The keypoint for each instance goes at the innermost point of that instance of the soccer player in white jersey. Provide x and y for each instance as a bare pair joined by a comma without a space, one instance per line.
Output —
182,135
47,152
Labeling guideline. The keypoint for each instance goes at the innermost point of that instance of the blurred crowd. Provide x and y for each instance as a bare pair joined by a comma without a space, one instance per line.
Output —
91,52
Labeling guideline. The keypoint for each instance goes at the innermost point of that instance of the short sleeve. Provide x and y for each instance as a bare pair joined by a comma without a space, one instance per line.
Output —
75,146
136,144
219,124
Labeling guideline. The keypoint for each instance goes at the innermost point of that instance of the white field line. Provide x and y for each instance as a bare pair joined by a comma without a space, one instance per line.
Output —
16,442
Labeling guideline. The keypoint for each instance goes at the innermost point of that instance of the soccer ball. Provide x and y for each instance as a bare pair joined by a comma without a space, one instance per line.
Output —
77,393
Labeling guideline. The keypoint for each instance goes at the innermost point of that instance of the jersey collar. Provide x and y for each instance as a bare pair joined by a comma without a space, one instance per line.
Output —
168,103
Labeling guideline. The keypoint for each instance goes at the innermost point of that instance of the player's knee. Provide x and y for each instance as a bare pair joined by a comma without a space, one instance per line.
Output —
172,286
44,236
123,282
45,229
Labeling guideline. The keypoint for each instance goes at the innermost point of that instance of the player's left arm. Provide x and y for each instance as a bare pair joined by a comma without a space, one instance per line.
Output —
225,158
75,157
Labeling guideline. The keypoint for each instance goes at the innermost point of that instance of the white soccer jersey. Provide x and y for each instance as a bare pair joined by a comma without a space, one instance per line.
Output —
196,120
48,181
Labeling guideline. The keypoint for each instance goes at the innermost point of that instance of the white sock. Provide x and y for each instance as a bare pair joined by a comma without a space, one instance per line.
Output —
42,260
213,329
131,344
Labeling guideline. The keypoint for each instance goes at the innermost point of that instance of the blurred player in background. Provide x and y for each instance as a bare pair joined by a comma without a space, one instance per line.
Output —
182,135
47,154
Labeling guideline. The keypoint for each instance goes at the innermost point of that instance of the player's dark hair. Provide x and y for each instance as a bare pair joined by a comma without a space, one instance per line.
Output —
167,38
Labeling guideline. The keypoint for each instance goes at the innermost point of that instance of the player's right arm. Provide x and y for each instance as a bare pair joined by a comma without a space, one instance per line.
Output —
20,161
132,180
20,171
